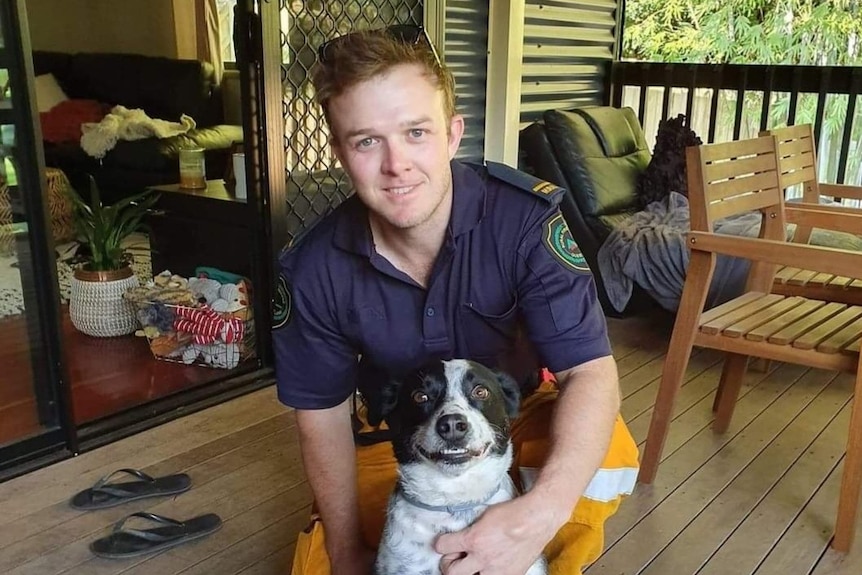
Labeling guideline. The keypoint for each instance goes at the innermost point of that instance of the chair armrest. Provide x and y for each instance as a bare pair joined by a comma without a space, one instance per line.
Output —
820,259
841,191
842,219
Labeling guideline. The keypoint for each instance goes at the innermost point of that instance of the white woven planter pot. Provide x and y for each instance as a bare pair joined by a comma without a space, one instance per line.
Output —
97,307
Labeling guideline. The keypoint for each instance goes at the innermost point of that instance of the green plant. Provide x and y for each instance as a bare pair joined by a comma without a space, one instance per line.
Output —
103,228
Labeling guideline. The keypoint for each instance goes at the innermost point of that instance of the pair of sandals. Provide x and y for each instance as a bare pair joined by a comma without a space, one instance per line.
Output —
124,541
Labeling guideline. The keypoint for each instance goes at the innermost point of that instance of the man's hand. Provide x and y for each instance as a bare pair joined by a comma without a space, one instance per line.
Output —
505,540
355,561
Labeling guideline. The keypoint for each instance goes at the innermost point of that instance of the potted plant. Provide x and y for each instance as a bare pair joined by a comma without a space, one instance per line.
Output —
96,305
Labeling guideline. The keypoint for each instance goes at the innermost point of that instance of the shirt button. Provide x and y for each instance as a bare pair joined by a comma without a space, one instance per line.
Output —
429,312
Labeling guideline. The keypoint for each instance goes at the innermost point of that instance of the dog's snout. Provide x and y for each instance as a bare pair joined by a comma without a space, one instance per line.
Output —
452,427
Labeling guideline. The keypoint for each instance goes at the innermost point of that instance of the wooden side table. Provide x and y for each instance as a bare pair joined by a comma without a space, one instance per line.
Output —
201,227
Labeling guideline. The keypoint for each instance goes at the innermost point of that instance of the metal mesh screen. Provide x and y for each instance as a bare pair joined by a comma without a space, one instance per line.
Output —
315,182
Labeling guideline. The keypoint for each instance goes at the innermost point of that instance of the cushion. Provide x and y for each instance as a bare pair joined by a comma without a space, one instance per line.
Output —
666,171
62,123
600,154
48,92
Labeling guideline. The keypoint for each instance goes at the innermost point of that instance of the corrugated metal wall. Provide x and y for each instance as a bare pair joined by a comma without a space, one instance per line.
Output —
567,45
466,53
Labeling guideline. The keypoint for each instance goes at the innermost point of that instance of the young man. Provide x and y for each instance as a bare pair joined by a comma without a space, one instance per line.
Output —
432,259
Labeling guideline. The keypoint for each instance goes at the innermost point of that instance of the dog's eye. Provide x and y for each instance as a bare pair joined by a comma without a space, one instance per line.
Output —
419,397
481,392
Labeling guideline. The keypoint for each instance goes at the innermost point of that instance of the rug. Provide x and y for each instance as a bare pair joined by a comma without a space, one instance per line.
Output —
11,293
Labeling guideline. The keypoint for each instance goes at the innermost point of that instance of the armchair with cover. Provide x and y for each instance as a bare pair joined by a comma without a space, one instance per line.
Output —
597,154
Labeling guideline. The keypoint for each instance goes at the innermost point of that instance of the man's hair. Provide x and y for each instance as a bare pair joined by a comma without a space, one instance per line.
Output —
363,55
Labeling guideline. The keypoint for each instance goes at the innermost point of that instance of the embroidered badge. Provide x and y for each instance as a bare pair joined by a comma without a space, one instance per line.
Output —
281,304
558,239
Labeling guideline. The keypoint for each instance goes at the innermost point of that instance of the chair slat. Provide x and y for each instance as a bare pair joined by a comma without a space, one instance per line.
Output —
840,281
811,338
802,278
743,203
742,185
842,338
784,320
719,323
737,149
761,317
796,162
784,274
738,169
853,348
731,305
821,279
791,332
789,179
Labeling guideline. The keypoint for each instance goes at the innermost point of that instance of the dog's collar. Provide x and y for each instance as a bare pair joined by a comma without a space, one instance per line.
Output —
451,509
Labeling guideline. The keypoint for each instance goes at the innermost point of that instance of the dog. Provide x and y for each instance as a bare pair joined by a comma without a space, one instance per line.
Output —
450,433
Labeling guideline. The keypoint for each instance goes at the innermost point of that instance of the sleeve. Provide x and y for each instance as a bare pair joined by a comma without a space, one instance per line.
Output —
315,365
557,296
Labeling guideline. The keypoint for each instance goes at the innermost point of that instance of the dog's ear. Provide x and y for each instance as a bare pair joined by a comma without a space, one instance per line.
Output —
511,393
384,402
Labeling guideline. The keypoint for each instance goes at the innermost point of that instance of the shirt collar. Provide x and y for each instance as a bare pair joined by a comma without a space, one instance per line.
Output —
353,233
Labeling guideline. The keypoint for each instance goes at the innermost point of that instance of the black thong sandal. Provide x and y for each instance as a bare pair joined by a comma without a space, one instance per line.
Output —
125,542
104,494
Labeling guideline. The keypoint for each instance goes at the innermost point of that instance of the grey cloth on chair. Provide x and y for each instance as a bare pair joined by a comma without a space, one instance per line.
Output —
649,249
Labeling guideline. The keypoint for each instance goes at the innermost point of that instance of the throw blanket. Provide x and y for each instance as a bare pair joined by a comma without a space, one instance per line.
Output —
125,124
650,249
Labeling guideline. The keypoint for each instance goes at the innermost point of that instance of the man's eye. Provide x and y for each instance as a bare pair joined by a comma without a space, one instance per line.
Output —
481,392
419,397
417,132
364,142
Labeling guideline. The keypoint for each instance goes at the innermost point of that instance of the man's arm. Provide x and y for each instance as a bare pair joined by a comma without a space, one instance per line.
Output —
508,537
329,456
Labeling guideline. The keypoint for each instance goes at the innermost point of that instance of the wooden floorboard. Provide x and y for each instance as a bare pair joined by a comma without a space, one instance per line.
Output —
759,499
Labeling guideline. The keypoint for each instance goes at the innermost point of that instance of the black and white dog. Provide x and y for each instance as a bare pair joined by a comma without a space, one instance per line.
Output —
450,424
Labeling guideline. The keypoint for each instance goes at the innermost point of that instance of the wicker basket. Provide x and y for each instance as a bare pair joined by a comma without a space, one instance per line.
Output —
97,306
59,206
159,322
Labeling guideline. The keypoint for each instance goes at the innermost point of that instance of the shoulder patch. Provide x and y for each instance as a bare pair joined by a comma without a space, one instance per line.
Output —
559,242
525,181
281,303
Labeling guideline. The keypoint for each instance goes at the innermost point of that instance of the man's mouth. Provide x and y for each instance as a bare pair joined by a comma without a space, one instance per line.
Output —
401,190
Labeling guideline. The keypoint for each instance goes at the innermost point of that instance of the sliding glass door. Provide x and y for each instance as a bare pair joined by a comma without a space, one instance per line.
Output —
32,411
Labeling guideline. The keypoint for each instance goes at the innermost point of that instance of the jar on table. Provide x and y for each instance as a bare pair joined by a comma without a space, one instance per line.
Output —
192,168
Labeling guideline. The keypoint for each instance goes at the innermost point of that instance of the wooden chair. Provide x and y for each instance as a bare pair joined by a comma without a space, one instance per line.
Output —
798,165
734,177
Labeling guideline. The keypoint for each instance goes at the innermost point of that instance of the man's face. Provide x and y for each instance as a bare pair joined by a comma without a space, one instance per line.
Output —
392,136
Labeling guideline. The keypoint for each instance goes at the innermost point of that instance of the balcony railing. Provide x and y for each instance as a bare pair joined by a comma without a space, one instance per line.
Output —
732,101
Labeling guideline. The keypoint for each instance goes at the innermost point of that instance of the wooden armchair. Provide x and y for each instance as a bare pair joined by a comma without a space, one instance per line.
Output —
734,177
798,164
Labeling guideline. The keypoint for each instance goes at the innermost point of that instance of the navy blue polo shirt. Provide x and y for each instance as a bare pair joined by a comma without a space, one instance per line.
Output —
509,286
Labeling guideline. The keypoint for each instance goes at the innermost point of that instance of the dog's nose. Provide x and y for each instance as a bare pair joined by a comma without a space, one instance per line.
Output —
452,427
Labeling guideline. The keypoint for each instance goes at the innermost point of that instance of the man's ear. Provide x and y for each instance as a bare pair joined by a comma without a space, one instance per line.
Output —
456,131
511,393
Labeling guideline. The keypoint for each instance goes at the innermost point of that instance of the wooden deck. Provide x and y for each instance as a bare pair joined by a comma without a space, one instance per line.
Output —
759,499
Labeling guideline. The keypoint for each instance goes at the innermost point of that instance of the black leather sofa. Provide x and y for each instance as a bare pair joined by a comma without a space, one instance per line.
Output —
597,154
165,89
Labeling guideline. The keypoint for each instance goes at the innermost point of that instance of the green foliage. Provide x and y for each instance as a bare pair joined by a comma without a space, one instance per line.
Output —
103,228
797,32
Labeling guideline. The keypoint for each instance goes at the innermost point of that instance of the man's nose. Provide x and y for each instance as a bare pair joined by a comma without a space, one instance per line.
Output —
452,427
396,160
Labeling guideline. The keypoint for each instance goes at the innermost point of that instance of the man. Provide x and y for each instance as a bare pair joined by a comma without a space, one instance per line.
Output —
431,259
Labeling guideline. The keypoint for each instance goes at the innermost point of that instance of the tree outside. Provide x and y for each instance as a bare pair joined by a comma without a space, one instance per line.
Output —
775,32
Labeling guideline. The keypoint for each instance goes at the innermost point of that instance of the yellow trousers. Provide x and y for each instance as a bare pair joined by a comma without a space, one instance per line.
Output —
577,544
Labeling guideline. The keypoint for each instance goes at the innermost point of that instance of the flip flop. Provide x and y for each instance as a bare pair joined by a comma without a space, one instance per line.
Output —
123,543
104,494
